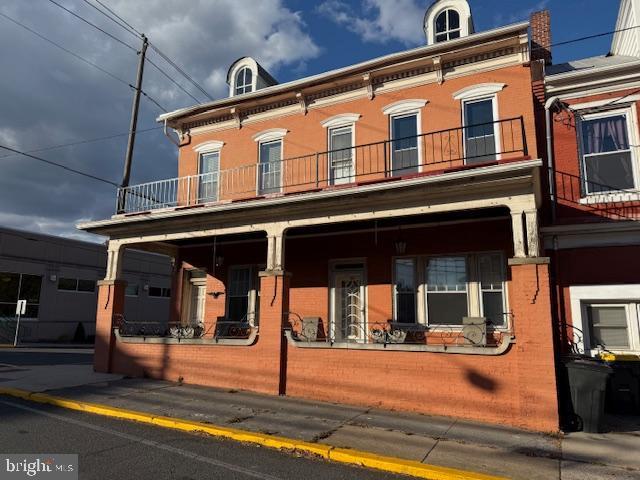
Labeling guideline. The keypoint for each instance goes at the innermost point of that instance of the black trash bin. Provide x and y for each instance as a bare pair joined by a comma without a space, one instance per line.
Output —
623,393
588,384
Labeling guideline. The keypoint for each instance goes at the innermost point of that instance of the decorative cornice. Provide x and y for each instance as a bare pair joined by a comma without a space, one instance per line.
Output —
210,146
404,106
340,120
270,134
479,90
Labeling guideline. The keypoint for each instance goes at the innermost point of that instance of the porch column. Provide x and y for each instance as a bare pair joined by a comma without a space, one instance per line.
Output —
526,234
110,303
274,307
532,323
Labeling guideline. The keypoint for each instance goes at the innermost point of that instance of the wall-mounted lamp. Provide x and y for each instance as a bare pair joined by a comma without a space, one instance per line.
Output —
145,288
219,261
401,247
53,278
215,294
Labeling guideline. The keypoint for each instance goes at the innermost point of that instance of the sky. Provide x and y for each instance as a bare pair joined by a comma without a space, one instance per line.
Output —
49,97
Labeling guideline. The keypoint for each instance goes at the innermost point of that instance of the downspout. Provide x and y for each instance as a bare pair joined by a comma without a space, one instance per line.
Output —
550,162
168,135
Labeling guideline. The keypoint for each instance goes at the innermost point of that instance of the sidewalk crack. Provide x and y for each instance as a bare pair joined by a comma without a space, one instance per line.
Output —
440,437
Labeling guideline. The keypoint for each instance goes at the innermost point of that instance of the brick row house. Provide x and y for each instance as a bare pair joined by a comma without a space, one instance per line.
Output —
368,235
593,230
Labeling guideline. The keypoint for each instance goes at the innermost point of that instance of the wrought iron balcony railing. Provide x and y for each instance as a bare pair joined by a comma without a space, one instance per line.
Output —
421,154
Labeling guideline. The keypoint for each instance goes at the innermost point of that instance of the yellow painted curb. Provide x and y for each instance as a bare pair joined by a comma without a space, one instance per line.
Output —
340,455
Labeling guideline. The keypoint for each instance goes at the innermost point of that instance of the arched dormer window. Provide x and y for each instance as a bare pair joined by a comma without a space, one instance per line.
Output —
244,81
447,20
447,25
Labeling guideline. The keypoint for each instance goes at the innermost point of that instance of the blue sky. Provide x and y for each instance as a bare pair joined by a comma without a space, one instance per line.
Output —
340,46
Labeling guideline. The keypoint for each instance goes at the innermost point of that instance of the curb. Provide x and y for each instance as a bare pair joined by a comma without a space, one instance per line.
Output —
327,452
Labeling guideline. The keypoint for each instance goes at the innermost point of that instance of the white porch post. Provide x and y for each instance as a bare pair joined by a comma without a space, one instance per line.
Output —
533,233
275,249
518,234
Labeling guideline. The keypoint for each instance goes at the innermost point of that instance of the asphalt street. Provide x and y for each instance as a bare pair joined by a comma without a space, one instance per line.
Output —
48,356
117,449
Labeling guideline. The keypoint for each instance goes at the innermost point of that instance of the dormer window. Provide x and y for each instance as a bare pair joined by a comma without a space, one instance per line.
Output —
447,26
447,20
244,81
246,75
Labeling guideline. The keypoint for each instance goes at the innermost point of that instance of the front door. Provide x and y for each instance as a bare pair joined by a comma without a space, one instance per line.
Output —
348,322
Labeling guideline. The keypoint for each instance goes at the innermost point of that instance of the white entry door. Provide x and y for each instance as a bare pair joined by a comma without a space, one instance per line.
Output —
348,312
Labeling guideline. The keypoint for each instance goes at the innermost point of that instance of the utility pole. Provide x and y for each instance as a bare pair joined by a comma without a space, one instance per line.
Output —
134,121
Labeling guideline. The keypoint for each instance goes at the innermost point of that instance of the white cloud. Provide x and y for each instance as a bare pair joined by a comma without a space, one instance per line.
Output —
379,20
206,36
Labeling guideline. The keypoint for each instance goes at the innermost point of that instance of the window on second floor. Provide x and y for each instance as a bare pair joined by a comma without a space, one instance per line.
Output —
269,167
244,81
209,170
608,161
447,25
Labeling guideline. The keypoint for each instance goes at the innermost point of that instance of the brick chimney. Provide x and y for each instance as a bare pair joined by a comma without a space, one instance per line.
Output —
541,36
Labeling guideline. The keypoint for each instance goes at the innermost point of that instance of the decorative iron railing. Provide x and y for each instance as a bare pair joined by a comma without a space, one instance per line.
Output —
608,203
429,152
313,329
222,329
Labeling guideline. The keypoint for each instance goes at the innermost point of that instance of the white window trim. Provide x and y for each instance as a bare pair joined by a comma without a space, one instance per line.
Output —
496,121
629,111
251,65
463,9
473,292
407,113
270,139
209,152
208,147
582,296
448,31
342,120
352,126
270,135
478,91
404,106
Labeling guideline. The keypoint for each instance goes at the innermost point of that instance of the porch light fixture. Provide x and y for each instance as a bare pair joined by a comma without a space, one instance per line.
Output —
219,261
401,247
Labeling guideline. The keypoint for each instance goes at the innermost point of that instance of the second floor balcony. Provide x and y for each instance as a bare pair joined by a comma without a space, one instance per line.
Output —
431,153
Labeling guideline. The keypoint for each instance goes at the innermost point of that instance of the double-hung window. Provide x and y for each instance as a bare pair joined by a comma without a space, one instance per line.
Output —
341,155
209,177
241,295
608,161
244,81
480,130
454,286
405,153
270,167
614,326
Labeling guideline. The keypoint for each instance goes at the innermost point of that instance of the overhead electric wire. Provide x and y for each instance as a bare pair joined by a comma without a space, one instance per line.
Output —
119,17
55,164
78,57
172,80
121,42
84,142
181,71
128,29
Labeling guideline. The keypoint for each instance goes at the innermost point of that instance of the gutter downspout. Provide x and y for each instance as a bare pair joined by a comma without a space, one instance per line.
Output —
551,165
168,135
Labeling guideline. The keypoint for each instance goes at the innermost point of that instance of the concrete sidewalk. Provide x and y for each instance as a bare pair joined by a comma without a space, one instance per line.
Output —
434,440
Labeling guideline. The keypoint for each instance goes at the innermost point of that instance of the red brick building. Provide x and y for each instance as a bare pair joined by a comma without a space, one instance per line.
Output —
368,235
593,235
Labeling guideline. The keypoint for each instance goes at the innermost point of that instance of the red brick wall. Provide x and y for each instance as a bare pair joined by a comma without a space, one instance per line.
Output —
517,388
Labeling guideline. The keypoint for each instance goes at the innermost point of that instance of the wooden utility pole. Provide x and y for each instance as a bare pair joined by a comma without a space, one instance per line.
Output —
134,119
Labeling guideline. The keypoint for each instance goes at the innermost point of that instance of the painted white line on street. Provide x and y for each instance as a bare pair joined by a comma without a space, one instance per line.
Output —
144,441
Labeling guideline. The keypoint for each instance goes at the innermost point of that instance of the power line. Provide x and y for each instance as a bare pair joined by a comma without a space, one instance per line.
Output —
128,29
126,45
181,71
121,42
64,167
119,17
82,59
83,142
